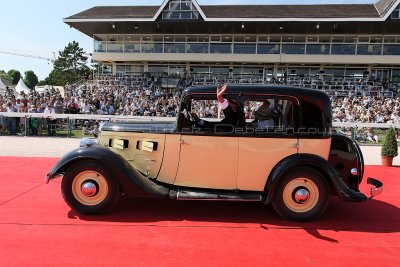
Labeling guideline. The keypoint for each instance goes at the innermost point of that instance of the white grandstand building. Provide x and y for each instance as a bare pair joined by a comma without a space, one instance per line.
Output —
334,47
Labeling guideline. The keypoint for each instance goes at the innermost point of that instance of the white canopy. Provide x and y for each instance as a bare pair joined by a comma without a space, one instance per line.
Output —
21,87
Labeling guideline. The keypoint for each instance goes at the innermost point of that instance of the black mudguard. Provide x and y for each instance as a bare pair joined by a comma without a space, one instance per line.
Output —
133,183
324,167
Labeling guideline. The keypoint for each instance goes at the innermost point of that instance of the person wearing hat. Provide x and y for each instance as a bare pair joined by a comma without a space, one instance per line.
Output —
263,116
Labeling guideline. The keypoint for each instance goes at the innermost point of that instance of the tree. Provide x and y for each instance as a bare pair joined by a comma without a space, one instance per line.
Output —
16,75
70,65
31,80
5,76
389,147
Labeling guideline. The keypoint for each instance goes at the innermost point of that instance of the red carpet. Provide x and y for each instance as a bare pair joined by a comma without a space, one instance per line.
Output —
38,229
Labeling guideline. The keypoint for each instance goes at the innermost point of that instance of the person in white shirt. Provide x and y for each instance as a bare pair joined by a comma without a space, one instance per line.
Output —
51,121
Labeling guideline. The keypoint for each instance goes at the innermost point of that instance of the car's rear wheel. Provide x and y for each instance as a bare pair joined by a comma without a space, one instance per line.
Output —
302,194
89,188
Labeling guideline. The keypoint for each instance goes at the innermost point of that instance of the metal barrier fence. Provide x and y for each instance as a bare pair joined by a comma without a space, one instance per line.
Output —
69,122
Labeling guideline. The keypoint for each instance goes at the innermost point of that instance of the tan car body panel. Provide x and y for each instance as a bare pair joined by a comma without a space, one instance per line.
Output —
257,158
208,162
320,147
171,159
146,162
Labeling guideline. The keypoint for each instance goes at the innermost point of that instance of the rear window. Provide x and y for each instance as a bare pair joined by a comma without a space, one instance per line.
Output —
313,121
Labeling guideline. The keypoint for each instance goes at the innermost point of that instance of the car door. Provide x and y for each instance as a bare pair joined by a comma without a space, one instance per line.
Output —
208,161
208,158
262,148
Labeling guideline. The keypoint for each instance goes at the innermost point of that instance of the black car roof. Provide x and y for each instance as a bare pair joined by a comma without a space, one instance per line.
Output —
257,89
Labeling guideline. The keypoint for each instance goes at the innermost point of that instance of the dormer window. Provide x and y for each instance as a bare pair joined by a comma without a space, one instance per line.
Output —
180,10
396,13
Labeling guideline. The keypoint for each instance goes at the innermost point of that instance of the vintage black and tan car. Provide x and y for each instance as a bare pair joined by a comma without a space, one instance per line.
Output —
287,157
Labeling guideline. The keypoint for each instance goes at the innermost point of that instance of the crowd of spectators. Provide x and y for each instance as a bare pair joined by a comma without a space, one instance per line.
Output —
137,95
366,109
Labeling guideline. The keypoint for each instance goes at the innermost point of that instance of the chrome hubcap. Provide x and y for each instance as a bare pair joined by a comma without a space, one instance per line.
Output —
89,189
301,196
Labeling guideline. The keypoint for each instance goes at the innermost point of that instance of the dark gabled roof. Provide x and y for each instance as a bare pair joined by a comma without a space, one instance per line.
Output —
291,11
116,12
323,11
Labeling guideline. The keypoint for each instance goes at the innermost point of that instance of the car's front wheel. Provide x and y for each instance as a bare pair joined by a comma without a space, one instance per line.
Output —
302,194
89,188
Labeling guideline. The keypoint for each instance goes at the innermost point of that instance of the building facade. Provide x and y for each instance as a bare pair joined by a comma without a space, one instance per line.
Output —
181,37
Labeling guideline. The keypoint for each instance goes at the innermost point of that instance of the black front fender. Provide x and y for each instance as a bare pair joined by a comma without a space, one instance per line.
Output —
318,163
132,182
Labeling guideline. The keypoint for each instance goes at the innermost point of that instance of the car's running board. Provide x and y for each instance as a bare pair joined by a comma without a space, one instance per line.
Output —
187,194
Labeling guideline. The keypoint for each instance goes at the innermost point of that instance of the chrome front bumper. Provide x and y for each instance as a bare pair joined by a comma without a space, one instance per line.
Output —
377,188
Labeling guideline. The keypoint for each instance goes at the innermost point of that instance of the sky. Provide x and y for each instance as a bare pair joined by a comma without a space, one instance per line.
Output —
36,27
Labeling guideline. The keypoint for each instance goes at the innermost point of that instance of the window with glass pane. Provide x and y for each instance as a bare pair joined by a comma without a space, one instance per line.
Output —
200,69
250,39
132,44
343,49
244,48
268,49
325,39
203,38
174,48
275,39
376,39
396,75
396,13
280,117
350,39
299,39
263,38
293,48
389,49
334,72
132,47
158,69
99,46
318,49
287,39
299,71
219,70
197,48
389,39
115,43
337,39
312,39
215,38
363,39
226,38
220,48
369,49
152,48
180,9
356,73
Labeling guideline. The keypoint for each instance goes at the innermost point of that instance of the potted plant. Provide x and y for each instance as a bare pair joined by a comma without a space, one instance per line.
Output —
389,148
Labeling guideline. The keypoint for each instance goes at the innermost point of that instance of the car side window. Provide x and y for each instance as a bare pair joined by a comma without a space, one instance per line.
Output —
269,115
204,115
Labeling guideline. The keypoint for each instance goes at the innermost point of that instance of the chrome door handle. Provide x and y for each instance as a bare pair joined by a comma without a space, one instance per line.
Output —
182,142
